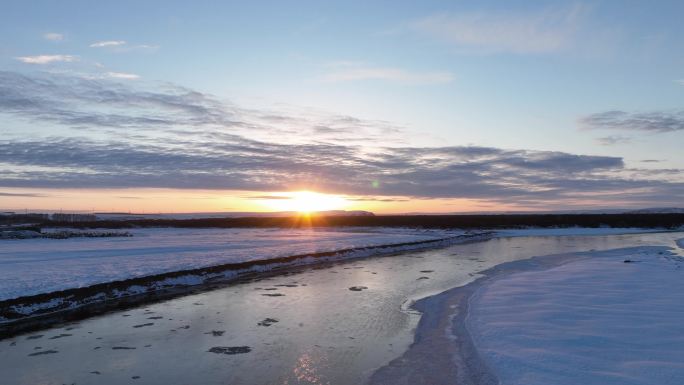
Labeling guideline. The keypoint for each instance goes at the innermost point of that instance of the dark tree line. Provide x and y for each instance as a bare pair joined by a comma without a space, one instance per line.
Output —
666,221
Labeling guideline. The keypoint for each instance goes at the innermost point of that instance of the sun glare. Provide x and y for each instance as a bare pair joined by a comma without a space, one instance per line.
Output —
305,202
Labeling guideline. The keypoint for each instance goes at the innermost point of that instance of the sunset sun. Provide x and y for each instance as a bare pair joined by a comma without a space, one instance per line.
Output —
305,202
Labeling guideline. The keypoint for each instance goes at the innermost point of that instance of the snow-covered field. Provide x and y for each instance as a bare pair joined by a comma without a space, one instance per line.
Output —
597,320
37,266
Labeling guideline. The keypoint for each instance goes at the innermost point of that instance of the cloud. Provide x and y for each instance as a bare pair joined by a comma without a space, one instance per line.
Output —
101,103
146,46
47,59
53,36
343,72
242,164
169,136
657,121
548,30
123,46
377,199
613,140
108,43
121,75
268,197
22,195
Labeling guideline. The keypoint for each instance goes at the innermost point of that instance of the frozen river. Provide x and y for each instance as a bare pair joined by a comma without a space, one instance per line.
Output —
330,324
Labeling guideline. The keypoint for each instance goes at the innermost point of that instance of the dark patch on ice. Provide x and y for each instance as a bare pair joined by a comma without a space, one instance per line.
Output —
143,325
97,347
135,377
122,348
43,353
72,328
95,372
419,278
198,304
216,333
37,348
230,350
358,288
13,343
427,271
271,288
185,327
274,295
630,261
126,315
267,322
35,337
155,317
287,285
61,336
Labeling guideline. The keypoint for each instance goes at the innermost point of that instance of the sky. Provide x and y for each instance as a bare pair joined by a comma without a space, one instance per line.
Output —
386,106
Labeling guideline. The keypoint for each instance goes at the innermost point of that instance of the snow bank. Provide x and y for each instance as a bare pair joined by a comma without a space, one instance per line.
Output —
35,266
593,321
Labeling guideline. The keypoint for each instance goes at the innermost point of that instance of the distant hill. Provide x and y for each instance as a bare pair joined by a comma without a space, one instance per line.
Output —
662,210
652,210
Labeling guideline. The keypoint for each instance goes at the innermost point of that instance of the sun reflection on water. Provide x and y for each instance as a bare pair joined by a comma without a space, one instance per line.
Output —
307,369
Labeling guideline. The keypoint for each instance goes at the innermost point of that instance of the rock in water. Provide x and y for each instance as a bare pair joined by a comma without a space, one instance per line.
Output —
230,350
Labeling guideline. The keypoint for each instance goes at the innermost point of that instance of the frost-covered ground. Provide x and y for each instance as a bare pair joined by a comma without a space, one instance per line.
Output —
37,266
596,320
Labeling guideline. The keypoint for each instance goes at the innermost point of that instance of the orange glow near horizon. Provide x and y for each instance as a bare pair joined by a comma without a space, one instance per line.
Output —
305,202
151,201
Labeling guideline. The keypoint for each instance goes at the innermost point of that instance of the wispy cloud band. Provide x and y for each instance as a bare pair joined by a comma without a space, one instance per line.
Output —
47,59
656,121
108,43
546,30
